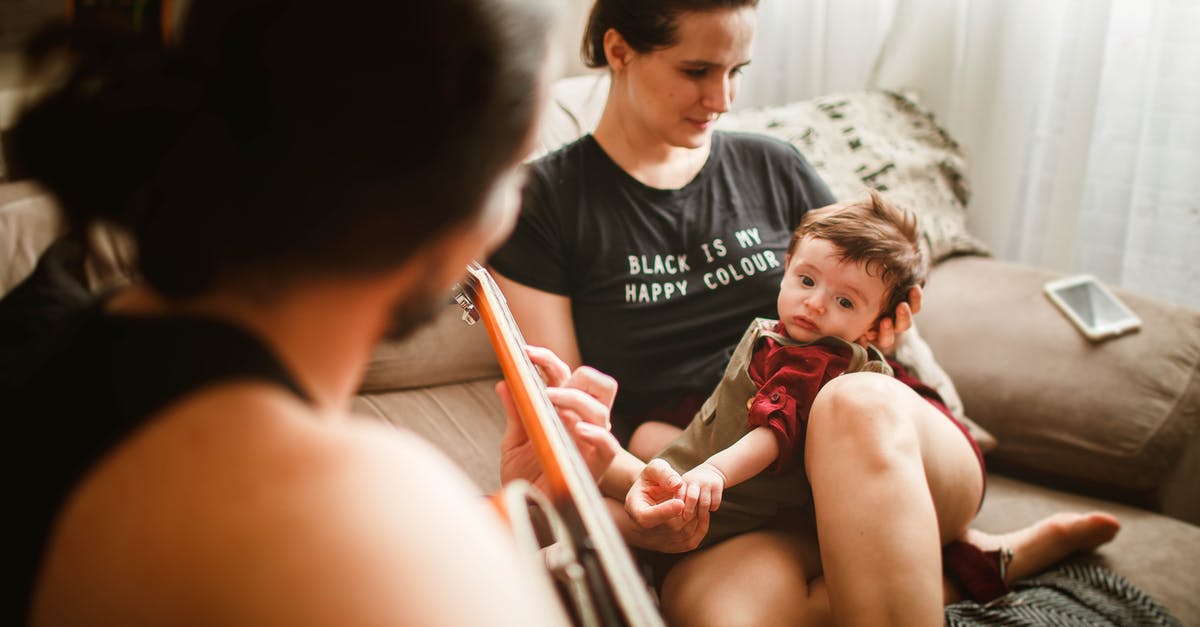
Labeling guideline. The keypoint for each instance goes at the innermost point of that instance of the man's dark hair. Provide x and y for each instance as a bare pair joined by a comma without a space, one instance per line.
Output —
278,138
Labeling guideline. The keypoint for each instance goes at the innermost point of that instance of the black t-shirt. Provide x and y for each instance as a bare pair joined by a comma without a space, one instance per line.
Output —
662,282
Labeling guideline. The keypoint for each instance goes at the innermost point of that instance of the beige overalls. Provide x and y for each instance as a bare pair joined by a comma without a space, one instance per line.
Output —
722,421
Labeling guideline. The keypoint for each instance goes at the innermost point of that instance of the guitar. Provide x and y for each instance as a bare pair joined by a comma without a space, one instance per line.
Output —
595,569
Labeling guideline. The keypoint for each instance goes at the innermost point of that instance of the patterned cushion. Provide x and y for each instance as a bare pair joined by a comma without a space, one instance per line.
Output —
882,140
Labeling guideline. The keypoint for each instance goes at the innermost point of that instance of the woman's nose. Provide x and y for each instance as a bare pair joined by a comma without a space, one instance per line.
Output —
718,94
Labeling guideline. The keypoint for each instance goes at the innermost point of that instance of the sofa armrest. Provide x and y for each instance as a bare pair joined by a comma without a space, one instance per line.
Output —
1119,418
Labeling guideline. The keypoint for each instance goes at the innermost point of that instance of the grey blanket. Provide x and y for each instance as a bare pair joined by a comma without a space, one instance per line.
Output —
1074,594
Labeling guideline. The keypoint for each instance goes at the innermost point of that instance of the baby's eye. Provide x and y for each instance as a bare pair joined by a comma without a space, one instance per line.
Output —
807,281
845,302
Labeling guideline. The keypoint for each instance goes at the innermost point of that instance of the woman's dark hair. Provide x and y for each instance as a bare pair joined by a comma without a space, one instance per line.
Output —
285,136
645,24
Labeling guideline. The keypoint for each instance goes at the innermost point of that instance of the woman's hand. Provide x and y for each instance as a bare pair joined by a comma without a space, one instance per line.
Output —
583,399
654,508
885,339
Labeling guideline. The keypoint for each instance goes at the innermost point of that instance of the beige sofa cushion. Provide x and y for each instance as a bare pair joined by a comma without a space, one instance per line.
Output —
1154,552
464,420
445,351
1118,414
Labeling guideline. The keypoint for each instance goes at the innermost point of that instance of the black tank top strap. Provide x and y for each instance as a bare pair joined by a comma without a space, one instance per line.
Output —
166,358
89,386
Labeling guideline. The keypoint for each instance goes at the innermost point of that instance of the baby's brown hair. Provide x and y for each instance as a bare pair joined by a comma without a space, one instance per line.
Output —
876,233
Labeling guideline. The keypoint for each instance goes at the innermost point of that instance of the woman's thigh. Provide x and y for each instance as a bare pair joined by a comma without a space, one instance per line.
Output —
757,578
877,418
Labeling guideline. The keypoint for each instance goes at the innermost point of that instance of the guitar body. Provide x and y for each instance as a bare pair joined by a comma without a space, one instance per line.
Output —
592,564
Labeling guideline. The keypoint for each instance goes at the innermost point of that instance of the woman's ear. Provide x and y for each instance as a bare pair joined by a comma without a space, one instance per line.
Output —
616,50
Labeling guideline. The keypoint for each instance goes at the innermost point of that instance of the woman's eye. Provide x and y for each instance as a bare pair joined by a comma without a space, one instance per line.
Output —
695,72
807,281
845,302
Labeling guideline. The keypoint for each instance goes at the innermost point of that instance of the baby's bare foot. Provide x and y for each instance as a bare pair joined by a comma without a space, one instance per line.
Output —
1047,541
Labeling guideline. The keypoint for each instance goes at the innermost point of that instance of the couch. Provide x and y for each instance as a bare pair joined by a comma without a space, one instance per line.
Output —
1076,425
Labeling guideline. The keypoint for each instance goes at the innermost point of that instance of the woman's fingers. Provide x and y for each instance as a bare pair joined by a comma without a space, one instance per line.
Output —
584,406
554,370
650,516
915,294
595,383
904,318
661,474
597,445
514,431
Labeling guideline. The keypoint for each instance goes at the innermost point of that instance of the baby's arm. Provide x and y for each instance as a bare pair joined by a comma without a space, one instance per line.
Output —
745,458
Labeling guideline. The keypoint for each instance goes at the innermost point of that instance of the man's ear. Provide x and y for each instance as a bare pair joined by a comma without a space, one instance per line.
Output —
618,51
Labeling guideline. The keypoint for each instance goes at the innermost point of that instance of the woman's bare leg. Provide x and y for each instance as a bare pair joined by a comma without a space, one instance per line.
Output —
757,578
893,480
651,437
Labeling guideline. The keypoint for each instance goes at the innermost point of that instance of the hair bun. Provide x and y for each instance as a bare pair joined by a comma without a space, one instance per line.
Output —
92,140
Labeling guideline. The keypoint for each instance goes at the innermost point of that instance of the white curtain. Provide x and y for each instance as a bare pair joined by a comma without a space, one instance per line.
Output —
1080,119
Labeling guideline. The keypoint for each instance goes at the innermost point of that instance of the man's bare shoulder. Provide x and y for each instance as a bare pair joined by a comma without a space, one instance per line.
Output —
248,504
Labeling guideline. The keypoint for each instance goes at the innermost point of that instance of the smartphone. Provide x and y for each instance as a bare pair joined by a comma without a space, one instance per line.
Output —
1091,307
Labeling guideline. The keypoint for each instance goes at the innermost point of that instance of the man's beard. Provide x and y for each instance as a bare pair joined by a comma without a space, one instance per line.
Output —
416,309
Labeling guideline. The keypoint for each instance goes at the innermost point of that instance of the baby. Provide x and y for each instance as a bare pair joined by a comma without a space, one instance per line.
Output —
848,266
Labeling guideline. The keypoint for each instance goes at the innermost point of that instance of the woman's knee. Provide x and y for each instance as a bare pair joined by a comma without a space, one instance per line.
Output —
868,412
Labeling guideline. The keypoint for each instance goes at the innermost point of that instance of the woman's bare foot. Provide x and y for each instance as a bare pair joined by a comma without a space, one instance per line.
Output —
1047,541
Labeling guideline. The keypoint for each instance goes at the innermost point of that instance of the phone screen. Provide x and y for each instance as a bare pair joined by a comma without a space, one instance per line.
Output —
1092,305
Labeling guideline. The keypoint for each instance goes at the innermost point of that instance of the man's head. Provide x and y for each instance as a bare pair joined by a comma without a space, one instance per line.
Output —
281,140
849,265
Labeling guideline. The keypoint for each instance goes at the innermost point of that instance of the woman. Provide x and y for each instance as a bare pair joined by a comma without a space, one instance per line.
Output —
300,181
644,249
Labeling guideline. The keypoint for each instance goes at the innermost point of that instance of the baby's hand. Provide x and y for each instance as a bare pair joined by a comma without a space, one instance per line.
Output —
703,487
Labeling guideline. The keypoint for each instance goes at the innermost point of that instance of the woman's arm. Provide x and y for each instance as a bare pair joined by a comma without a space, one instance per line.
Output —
544,318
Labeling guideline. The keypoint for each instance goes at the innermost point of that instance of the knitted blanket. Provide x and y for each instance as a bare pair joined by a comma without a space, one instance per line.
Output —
1074,594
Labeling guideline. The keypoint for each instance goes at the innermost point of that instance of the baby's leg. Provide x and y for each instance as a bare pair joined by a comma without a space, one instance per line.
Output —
651,437
1049,540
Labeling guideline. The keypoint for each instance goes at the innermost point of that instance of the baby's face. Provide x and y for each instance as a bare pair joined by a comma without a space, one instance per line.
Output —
822,295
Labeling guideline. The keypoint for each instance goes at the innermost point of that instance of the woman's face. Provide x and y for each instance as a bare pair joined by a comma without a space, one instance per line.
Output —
676,94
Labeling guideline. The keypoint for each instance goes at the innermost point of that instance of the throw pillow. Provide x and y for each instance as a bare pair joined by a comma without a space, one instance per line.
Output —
883,140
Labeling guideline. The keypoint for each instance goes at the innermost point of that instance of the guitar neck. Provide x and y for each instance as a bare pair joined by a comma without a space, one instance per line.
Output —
571,486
